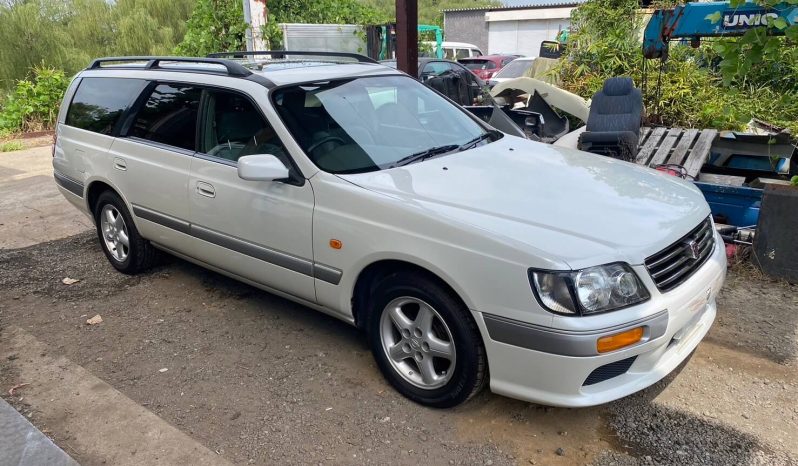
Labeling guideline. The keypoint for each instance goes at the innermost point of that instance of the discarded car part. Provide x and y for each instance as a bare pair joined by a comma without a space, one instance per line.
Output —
732,205
774,245
498,118
736,235
753,155
570,140
539,120
557,98
551,49
613,125
456,87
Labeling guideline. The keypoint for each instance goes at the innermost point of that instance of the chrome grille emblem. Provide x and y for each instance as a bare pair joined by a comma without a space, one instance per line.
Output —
691,250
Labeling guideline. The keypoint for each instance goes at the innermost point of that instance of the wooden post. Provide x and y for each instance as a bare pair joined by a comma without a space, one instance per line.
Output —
407,36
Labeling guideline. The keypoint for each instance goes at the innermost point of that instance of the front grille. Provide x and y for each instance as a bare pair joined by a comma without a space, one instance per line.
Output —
608,371
676,263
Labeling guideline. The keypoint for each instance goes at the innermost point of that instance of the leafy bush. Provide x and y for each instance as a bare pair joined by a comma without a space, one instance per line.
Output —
758,58
33,104
605,42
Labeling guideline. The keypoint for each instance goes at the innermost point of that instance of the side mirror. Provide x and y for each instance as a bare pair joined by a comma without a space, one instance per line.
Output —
261,167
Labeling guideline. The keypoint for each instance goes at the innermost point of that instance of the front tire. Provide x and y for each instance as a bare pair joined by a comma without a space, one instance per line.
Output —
125,249
425,341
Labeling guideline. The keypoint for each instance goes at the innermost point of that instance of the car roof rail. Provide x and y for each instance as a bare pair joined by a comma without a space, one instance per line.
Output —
244,53
155,63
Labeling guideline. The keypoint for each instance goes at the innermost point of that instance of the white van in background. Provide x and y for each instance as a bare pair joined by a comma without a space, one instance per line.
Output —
453,50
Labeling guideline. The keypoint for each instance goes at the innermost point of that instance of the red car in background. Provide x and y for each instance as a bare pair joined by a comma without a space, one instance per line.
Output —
487,65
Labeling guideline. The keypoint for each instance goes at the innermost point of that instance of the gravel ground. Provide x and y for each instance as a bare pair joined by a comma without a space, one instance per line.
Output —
261,380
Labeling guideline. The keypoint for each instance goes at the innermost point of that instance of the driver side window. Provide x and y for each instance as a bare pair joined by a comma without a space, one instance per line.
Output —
233,128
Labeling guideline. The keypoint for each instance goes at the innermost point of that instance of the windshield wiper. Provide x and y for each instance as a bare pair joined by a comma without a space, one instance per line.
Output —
425,154
472,143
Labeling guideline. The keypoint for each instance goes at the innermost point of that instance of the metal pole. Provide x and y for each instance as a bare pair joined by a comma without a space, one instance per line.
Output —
248,20
407,36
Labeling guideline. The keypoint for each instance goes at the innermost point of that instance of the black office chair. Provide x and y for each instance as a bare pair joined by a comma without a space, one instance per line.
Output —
613,125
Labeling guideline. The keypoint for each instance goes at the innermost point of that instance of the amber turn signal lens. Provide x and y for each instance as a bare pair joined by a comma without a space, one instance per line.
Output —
336,244
619,340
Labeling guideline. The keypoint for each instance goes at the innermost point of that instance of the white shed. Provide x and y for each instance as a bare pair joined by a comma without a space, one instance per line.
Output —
511,29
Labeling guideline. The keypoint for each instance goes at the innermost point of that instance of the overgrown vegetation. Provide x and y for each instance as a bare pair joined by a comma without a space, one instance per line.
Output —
33,104
10,146
698,86
761,58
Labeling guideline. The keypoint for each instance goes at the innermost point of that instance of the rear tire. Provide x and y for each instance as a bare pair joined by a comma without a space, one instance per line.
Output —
425,341
125,249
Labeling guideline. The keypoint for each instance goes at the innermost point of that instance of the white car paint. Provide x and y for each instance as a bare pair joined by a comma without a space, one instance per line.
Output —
478,219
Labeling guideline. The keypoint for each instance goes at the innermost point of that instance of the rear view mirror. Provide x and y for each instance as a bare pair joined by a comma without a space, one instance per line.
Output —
261,167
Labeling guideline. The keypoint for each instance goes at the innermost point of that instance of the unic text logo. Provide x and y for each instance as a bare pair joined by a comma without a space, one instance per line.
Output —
735,20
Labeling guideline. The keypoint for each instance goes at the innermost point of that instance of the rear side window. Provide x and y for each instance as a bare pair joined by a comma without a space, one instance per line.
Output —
99,102
169,116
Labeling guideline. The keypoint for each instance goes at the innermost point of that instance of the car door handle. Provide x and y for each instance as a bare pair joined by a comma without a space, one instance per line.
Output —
205,189
120,164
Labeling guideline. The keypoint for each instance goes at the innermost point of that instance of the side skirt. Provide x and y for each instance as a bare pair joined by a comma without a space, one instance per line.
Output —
349,320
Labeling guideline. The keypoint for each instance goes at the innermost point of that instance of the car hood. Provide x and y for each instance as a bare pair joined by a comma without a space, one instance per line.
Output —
558,204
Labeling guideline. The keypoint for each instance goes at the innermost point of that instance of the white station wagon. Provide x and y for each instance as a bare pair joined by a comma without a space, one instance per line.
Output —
466,255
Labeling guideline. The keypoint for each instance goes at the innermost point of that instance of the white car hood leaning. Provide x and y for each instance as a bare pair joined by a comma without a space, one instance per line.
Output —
561,204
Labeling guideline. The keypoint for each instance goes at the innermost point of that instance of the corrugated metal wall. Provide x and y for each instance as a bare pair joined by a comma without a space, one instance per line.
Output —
466,26
324,37
522,37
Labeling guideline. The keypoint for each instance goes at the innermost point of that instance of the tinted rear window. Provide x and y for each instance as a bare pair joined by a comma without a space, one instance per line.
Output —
474,65
169,116
99,102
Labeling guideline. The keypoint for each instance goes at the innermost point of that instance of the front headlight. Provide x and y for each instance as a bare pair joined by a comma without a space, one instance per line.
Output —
588,291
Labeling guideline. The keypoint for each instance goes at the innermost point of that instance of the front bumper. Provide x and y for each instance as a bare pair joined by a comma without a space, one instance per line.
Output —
554,372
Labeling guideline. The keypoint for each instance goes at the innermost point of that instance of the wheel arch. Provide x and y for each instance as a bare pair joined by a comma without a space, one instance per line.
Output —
372,274
97,186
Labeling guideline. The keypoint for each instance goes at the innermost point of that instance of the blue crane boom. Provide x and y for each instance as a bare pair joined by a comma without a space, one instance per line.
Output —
695,20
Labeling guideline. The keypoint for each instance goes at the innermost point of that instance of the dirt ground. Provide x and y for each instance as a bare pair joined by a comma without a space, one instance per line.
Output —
261,380
256,379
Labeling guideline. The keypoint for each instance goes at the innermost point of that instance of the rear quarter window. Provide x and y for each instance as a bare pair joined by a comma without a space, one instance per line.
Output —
169,116
99,102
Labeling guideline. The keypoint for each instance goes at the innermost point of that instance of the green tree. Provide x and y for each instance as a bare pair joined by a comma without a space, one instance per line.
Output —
150,27
67,34
215,26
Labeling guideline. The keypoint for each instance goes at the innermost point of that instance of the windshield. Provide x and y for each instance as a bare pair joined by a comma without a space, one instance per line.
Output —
368,124
515,69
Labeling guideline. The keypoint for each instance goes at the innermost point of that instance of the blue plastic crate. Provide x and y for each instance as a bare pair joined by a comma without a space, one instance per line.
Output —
739,205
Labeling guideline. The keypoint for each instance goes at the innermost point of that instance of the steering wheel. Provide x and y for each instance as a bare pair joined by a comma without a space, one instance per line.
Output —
326,140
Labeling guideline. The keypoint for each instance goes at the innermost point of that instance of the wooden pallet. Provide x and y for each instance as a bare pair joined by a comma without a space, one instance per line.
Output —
686,147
